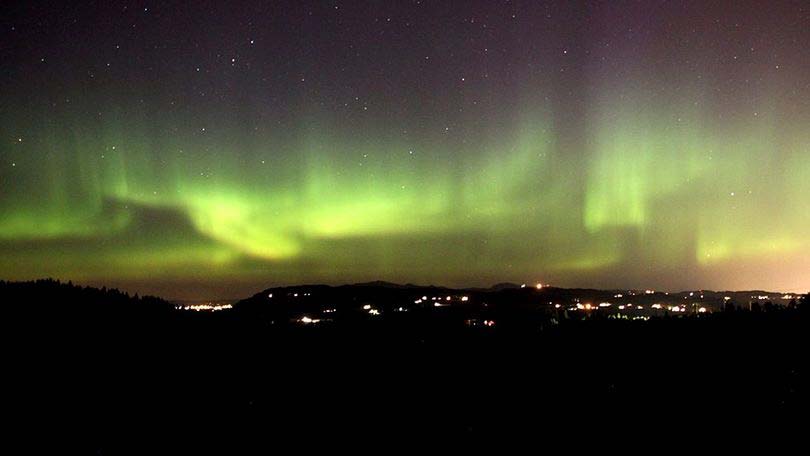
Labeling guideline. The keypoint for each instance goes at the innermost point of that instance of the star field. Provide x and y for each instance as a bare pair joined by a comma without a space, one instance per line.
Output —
205,149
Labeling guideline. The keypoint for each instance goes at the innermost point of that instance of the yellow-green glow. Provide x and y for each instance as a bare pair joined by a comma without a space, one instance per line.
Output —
652,192
596,174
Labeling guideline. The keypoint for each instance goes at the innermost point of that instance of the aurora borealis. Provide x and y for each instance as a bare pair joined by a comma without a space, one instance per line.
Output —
208,149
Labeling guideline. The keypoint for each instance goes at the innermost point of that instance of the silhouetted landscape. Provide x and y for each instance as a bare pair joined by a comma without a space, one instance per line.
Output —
295,224
399,363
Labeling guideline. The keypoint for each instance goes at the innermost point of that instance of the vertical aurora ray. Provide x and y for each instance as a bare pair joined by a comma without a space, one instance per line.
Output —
629,146
517,189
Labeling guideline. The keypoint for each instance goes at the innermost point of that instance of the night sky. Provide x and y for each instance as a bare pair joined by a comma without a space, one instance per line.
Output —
210,149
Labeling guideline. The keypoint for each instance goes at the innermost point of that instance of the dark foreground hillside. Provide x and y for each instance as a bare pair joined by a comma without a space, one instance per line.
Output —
110,374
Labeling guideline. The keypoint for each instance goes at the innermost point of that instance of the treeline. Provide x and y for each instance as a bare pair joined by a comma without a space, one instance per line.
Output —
757,306
103,363
52,291
59,307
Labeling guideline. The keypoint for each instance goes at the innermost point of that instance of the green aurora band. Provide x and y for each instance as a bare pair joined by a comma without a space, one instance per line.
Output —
108,203
659,160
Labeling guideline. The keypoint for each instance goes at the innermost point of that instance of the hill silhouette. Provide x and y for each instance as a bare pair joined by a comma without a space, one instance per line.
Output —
257,371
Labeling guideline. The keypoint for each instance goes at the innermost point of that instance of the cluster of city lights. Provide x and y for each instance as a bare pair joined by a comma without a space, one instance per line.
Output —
208,307
577,305
371,310
440,301
294,295
476,322
606,305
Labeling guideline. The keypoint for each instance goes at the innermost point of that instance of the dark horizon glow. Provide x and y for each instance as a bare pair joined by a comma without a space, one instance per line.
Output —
213,149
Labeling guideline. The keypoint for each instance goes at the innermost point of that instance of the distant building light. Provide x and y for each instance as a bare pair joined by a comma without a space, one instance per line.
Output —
465,298
270,295
367,307
539,286
702,310
605,304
